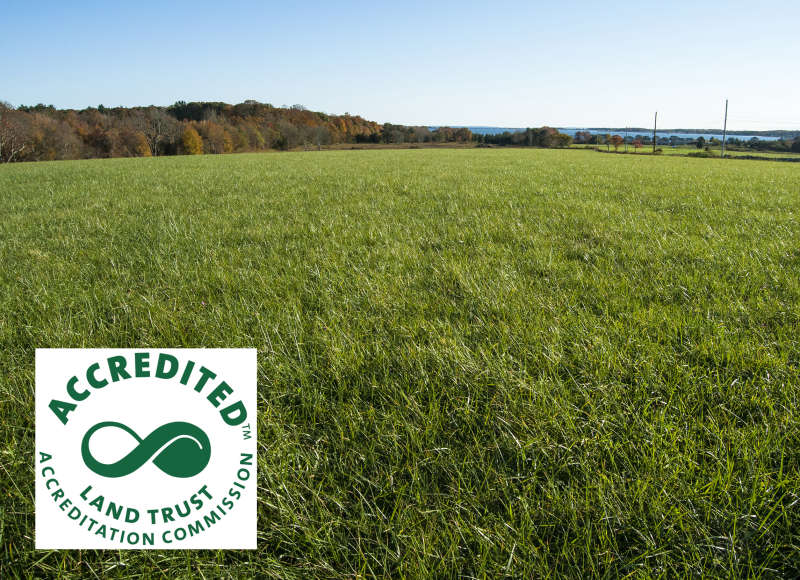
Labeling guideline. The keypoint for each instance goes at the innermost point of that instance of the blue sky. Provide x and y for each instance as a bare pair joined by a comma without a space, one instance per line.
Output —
501,63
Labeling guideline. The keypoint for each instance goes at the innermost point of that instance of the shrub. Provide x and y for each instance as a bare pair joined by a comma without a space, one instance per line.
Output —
707,153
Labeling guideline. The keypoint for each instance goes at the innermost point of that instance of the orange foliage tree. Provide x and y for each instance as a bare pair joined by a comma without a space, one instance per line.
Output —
191,141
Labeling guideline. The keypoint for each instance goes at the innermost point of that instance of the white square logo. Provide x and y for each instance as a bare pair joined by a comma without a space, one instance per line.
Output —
145,448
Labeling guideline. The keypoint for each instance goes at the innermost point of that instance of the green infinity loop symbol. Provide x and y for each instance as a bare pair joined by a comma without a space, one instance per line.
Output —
178,449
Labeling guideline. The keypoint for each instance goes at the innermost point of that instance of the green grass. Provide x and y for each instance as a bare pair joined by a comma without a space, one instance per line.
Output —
685,150
471,362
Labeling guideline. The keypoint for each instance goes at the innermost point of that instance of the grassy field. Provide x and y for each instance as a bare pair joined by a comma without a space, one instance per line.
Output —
685,150
471,362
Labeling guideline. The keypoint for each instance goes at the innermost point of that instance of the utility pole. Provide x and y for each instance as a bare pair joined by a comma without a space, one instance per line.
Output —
626,139
725,128
655,124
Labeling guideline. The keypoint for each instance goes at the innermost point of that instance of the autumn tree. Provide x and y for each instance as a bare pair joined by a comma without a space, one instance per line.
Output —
134,143
101,141
443,134
157,127
562,140
191,141
50,139
288,136
421,135
68,141
255,138
321,136
240,140
616,141
463,135
13,137
215,138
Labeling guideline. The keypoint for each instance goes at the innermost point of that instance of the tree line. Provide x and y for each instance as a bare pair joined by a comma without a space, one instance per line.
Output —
43,132
541,137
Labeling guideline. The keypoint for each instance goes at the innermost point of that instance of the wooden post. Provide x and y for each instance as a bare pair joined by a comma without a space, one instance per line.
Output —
655,125
725,128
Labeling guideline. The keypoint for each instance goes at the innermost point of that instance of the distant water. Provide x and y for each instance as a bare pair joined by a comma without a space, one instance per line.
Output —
494,130
662,134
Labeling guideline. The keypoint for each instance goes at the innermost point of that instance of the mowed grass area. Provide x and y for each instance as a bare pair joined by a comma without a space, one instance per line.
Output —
471,362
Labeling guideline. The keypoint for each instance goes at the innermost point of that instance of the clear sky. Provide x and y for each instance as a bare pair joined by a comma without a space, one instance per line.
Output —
499,63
